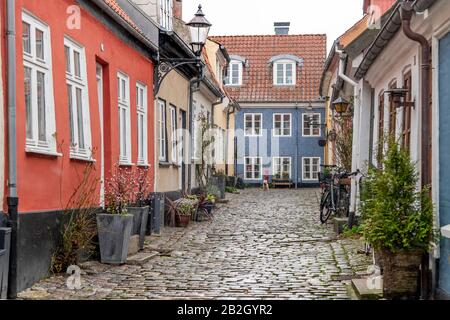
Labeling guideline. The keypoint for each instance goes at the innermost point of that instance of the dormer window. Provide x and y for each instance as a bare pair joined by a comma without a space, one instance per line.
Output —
285,69
234,74
166,14
284,73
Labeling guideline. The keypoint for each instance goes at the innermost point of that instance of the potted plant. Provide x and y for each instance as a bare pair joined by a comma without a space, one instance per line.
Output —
140,210
184,214
397,221
114,226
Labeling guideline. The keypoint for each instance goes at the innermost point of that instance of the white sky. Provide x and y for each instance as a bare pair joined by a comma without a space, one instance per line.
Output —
245,17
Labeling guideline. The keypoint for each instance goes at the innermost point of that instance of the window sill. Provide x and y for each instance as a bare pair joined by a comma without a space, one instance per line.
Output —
282,136
164,164
81,157
44,152
284,85
126,164
143,164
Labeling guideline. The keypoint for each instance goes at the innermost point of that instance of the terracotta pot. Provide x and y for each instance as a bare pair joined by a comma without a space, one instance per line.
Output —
401,273
182,221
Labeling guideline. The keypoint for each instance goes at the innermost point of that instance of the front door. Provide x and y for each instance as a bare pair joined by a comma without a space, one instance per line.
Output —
182,148
99,71
444,159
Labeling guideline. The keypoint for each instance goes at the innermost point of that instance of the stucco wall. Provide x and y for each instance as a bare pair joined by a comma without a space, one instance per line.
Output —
268,146
175,91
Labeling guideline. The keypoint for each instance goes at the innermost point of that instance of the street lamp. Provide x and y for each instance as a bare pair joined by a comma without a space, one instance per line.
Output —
199,30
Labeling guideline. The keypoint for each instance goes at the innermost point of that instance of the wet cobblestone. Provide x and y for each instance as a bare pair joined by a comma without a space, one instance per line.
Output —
260,245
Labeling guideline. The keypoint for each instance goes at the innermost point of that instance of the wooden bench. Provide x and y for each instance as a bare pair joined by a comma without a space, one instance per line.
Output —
281,182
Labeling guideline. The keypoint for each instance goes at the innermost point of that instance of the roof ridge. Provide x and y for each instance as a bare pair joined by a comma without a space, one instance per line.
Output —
272,35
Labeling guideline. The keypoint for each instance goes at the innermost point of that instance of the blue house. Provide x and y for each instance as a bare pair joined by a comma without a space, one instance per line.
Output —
280,130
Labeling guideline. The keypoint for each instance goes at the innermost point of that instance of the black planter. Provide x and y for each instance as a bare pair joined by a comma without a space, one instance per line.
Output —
140,219
114,232
209,207
155,222
5,244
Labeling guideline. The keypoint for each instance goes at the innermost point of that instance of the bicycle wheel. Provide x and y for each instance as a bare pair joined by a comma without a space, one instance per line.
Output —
344,204
325,208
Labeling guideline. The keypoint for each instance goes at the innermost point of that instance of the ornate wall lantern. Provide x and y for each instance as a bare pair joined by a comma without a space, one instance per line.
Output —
340,105
398,97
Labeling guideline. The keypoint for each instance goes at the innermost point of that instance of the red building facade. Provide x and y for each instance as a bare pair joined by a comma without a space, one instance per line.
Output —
84,94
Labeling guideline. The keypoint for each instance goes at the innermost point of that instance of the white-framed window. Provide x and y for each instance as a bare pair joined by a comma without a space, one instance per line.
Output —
162,139
78,100
166,14
282,168
234,74
253,124
311,125
282,124
284,73
253,168
142,124
311,168
38,86
173,132
124,118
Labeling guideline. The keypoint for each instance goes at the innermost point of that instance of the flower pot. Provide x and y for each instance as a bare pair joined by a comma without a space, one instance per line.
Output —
182,221
114,232
401,273
156,221
140,219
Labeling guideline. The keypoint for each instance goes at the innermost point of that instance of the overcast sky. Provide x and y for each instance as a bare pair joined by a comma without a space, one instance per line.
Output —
244,17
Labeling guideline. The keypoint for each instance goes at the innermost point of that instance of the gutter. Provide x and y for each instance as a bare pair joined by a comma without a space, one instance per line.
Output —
12,199
407,11
126,25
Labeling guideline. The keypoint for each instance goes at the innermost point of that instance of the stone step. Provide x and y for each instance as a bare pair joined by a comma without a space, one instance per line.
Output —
142,257
363,292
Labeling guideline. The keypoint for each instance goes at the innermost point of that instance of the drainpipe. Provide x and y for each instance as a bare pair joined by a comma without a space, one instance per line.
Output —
12,199
407,11
341,69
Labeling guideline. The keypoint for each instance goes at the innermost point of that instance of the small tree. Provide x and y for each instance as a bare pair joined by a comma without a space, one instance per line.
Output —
396,216
206,140
344,140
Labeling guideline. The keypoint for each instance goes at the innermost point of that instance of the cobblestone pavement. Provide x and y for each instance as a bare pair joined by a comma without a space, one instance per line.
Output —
261,245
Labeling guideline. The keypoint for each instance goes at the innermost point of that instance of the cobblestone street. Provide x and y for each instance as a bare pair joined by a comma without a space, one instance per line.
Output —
259,246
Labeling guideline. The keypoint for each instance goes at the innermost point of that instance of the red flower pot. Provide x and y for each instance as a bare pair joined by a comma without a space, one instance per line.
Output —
182,220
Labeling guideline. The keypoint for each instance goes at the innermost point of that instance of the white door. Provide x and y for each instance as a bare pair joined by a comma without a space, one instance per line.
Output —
102,149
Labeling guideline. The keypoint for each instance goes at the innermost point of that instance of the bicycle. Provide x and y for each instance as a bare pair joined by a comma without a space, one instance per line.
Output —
335,193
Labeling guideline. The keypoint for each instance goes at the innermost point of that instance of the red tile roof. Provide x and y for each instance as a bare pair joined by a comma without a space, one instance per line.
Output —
258,77
115,6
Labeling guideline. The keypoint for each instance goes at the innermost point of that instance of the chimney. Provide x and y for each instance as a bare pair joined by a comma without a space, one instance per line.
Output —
178,9
282,28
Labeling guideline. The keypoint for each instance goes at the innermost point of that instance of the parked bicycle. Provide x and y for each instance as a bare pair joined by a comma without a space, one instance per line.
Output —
335,192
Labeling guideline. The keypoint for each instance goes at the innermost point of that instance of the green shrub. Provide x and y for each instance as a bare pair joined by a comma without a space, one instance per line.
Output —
396,216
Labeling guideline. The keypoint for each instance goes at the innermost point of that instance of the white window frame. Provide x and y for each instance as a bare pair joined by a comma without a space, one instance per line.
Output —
253,125
253,161
43,66
311,159
311,127
282,125
166,14
278,162
173,132
124,107
142,113
80,82
162,137
229,78
284,63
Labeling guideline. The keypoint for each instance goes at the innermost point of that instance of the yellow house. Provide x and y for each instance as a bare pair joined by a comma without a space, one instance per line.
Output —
2,136
217,60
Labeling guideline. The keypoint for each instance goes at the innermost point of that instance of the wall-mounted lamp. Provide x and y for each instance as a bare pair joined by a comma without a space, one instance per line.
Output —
340,105
398,98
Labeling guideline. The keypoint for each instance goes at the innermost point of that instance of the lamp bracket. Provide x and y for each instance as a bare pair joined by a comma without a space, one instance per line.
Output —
166,65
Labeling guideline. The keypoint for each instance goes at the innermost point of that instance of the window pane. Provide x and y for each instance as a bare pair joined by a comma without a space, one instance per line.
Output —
289,78
141,135
77,64
234,73
80,118
41,106
27,85
280,73
39,44
26,41
68,64
72,131
124,132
